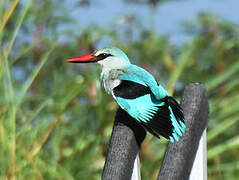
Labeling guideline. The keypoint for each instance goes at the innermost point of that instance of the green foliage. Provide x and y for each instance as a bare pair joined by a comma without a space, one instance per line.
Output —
55,121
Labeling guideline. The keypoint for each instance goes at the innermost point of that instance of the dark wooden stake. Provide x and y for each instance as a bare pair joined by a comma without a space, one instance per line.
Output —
179,157
127,135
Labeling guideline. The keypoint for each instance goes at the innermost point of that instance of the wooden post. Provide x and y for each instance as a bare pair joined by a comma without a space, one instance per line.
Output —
179,157
124,145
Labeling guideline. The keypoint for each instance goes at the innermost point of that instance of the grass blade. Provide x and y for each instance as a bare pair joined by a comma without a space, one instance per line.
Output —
20,21
24,128
33,76
8,14
222,127
218,80
223,147
182,63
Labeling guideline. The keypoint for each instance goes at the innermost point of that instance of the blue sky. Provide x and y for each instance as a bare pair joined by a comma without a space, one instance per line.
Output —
167,19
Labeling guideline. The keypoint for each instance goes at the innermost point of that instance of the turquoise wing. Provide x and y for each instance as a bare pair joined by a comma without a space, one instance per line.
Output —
141,108
158,117
149,103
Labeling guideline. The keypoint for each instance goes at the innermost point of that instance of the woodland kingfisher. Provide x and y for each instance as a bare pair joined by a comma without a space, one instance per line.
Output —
137,92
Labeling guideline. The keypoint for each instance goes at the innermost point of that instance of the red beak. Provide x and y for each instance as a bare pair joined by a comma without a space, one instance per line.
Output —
88,58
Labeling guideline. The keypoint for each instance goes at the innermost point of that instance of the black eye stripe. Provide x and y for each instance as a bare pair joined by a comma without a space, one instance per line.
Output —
102,56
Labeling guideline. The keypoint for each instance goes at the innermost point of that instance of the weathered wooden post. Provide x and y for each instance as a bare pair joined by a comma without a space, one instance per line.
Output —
127,136
179,157
124,146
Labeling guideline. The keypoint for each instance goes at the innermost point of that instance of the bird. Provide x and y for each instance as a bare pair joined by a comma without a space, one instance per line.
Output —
138,93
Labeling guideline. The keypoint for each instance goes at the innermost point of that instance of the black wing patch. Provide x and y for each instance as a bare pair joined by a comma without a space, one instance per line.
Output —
161,123
130,90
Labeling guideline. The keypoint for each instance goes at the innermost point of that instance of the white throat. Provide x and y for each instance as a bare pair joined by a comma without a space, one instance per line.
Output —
111,63
112,68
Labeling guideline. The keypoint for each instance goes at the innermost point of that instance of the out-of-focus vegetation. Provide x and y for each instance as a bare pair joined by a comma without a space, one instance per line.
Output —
55,122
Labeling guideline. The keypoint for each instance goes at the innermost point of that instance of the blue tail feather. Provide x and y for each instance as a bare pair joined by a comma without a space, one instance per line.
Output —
177,119
168,121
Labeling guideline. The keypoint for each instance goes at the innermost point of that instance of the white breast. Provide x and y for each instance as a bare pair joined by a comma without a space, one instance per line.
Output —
109,80
109,85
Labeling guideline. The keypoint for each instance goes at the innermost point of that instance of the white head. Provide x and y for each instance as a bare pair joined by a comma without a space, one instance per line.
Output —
111,58
108,58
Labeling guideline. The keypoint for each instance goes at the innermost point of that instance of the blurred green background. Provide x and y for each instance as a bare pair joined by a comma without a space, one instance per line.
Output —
55,120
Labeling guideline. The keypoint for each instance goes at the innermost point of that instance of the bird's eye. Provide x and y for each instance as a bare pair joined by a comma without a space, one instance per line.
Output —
103,56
